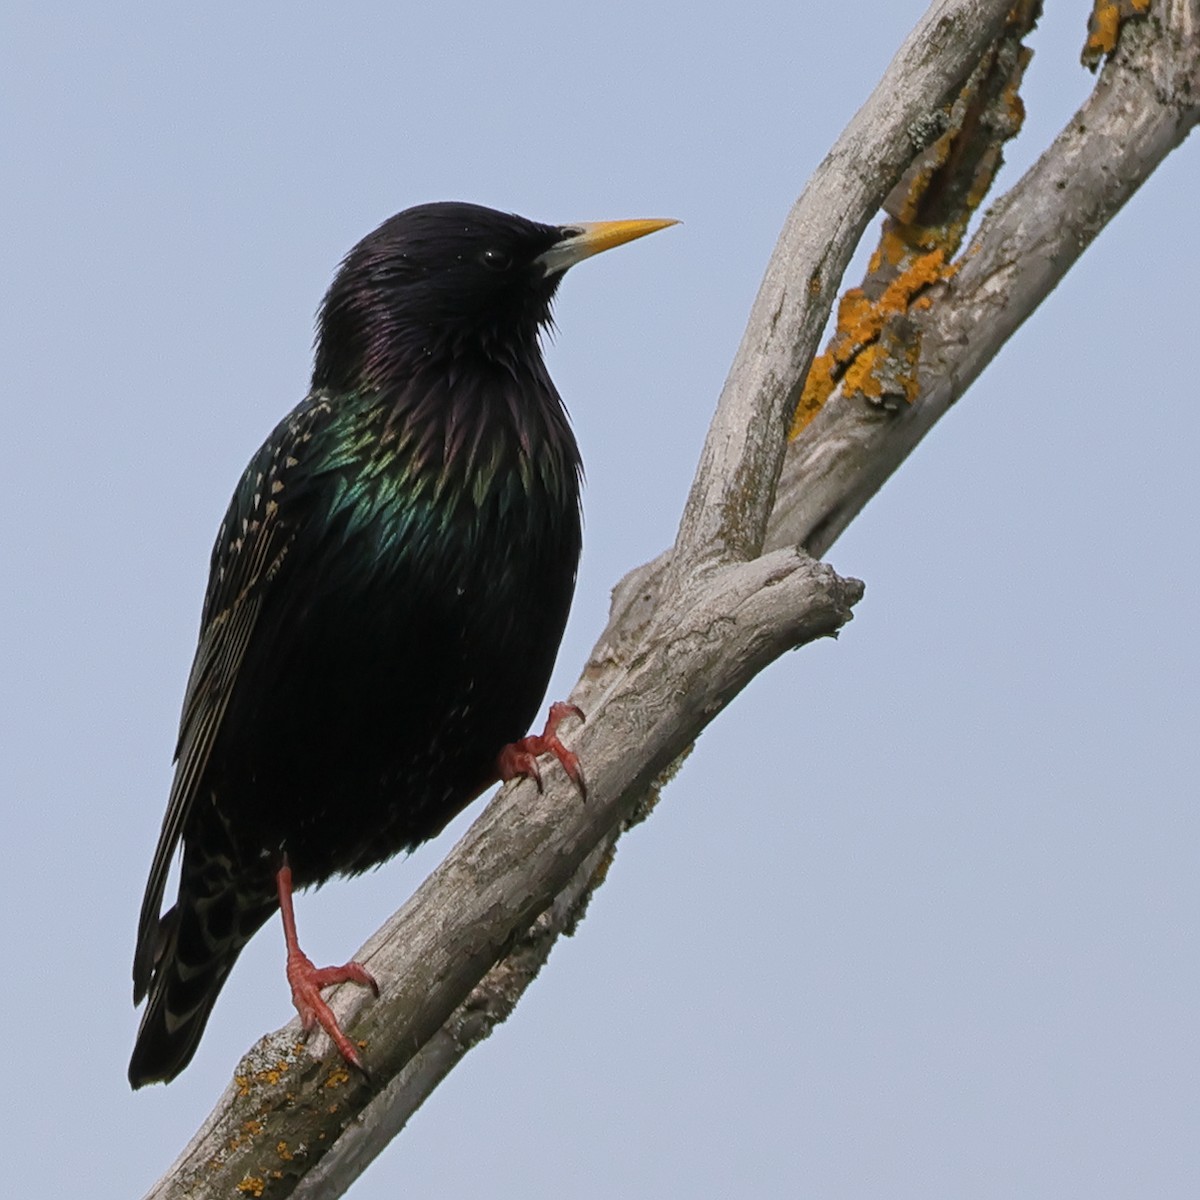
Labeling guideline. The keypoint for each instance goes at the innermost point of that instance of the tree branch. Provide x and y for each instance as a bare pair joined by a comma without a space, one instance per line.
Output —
1146,102
455,959
733,492
289,1102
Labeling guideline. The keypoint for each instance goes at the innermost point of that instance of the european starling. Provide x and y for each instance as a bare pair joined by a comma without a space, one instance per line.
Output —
386,598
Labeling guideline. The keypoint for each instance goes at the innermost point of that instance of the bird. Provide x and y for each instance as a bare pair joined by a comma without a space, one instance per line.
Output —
386,597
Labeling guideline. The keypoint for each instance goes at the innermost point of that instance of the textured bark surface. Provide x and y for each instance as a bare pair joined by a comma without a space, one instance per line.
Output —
733,491
690,629
1145,103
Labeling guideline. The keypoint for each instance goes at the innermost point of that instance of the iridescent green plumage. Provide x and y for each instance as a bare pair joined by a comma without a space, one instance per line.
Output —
386,598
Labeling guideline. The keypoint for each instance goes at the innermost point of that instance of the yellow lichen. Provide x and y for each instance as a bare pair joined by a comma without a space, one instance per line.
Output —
893,244
281,1148
818,387
860,377
337,1077
855,356
266,1076
875,348
1104,27
923,271
252,1185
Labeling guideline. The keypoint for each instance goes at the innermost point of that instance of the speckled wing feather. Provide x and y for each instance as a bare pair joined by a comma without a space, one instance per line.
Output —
268,508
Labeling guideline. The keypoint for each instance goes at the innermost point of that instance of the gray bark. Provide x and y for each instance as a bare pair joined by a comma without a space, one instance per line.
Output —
1144,105
733,491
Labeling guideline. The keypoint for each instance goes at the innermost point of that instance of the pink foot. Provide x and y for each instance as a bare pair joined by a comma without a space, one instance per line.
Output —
306,981
518,760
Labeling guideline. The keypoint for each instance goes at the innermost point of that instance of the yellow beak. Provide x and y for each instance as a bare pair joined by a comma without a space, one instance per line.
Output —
586,238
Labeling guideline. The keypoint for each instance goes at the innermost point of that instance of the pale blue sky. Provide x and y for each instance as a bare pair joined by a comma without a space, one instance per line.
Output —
919,917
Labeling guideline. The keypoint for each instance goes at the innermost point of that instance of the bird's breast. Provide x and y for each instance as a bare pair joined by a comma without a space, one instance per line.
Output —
458,471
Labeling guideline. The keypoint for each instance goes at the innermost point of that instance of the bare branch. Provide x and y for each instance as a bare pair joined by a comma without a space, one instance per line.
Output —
287,1104
489,1004
726,513
1144,105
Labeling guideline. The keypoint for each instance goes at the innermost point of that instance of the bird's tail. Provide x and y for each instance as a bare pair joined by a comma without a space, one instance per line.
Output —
198,942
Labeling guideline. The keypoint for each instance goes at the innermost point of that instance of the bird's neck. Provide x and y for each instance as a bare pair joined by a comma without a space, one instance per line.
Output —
376,348
479,423
469,436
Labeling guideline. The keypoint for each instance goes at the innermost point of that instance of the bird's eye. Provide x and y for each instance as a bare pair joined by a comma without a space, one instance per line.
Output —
495,259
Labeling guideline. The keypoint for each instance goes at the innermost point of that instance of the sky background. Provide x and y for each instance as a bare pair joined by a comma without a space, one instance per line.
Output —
919,916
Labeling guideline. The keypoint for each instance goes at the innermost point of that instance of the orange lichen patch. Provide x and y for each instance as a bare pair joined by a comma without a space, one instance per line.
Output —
854,357
252,1185
863,321
875,348
860,376
1104,27
885,372
269,1075
818,387
337,1077
905,201
250,1130
281,1148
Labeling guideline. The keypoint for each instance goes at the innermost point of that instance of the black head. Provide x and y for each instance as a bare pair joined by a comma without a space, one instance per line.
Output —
444,280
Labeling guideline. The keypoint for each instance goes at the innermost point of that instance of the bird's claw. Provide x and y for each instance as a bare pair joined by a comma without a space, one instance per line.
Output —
518,760
307,981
